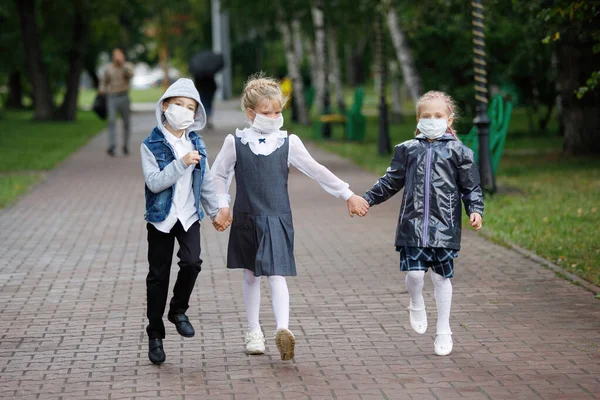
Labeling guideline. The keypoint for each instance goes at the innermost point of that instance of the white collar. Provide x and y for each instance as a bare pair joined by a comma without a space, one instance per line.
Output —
172,139
259,143
251,135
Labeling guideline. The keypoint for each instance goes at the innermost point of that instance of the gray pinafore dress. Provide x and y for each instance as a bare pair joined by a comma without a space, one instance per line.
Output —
262,234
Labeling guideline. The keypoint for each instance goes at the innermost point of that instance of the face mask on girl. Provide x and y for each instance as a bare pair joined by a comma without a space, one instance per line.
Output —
266,124
432,128
178,117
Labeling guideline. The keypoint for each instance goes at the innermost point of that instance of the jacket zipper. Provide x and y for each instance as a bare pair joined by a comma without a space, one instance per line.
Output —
451,210
427,178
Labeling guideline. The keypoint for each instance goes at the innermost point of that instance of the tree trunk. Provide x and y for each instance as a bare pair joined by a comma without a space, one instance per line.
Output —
320,54
15,91
297,40
404,55
81,24
312,62
293,65
581,116
38,74
334,64
355,62
396,95
384,142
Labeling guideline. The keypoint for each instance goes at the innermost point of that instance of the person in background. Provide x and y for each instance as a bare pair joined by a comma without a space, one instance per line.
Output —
115,85
207,87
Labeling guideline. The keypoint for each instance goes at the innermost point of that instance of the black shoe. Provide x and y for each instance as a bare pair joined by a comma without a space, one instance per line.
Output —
156,353
183,325
125,151
111,152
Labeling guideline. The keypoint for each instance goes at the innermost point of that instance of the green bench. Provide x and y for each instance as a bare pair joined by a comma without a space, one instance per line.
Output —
354,121
499,112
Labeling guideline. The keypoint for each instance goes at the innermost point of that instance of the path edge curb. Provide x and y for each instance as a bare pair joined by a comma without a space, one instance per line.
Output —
574,279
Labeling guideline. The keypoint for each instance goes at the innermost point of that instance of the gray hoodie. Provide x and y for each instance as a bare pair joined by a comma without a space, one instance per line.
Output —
157,179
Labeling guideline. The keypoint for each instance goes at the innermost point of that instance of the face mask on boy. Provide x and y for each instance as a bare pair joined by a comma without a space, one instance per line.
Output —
432,128
266,124
178,117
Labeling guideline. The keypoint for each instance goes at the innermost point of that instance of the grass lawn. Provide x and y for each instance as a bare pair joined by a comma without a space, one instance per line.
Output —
547,203
28,148
86,96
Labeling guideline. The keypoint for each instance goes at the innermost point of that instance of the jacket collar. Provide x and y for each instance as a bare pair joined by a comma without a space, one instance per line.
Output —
445,137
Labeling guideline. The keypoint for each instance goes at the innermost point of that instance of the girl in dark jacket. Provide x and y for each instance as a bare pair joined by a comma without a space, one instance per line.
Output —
436,171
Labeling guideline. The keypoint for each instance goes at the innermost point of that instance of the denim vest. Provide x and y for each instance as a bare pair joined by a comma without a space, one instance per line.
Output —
158,205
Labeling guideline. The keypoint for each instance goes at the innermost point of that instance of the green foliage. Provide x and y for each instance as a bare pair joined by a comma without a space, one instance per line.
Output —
575,23
45,144
14,185
553,209
24,157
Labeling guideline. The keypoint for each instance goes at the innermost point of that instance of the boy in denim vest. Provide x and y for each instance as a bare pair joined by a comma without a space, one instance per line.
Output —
178,182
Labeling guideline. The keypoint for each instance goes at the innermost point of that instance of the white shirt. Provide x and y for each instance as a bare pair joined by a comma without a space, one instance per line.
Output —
183,206
265,144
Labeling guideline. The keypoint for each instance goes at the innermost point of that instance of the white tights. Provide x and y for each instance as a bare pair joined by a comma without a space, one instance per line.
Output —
442,291
279,293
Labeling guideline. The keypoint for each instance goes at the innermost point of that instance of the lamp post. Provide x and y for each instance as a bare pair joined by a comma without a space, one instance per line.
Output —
482,120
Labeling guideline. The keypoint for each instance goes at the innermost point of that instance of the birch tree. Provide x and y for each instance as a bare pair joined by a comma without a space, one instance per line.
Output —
320,53
334,63
403,53
293,64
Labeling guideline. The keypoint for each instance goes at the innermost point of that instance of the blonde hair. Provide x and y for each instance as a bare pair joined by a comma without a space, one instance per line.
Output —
260,88
436,94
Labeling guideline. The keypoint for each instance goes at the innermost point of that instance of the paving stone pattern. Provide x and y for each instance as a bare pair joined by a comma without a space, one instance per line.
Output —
72,303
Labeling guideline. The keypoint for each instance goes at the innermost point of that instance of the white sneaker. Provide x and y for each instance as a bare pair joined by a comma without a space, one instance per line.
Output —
286,342
443,344
255,343
418,318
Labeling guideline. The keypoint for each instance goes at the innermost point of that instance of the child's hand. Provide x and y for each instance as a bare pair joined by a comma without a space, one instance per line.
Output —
223,219
475,221
192,158
357,205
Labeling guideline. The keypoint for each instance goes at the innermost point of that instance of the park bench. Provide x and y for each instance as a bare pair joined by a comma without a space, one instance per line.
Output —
499,112
355,124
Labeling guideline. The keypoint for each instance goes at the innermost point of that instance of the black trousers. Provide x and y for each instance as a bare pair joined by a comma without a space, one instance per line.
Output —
160,254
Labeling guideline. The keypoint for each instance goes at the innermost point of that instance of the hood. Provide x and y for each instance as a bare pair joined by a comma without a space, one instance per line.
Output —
183,87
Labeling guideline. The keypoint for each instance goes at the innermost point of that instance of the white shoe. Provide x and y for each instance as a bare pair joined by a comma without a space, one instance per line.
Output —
286,343
255,343
418,325
443,344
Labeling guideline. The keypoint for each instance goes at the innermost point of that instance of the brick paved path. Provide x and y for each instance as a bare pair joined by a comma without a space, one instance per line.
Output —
72,304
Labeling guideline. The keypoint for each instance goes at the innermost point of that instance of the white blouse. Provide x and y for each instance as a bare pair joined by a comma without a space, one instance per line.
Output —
265,144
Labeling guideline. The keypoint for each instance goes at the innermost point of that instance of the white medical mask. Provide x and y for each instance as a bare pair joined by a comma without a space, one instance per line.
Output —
266,124
432,128
178,117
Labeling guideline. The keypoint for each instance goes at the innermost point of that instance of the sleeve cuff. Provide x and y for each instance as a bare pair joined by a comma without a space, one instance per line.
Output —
347,193
223,201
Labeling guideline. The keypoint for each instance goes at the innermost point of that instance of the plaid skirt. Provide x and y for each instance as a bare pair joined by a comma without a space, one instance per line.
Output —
440,260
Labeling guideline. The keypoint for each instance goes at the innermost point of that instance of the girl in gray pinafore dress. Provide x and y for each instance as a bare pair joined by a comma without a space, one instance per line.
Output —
261,241
262,233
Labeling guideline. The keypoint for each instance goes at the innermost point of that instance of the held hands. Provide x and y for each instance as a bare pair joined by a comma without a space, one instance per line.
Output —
357,206
192,158
223,219
475,221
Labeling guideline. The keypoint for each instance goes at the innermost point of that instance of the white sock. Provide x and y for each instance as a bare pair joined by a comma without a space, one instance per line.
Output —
442,290
252,300
281,300
414,284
